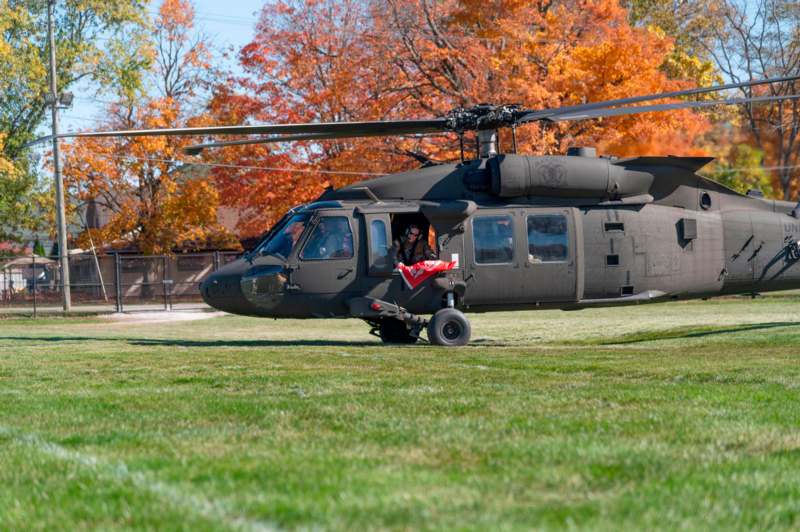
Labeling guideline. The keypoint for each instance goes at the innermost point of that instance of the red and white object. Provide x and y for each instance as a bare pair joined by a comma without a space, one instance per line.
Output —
416,274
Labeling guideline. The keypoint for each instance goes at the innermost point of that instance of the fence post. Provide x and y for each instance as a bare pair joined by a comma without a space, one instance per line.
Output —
118,281
33,259
164,280
216,260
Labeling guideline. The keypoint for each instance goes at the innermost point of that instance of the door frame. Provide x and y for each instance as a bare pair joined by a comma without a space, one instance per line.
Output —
573,263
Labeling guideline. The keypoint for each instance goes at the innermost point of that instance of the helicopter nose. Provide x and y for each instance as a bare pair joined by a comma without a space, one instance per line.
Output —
222,290
245,288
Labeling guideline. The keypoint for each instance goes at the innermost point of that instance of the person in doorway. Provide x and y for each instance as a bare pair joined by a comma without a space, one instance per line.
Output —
412,248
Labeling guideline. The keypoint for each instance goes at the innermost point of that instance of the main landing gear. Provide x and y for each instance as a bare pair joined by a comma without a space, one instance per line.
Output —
394,331
395,325
449,327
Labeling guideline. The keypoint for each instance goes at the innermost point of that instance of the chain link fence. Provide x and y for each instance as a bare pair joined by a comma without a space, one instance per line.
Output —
108,283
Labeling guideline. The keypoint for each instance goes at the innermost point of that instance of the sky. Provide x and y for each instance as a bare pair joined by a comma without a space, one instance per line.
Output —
228,24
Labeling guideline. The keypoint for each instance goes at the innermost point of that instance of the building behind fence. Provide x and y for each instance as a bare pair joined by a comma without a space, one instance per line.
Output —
114,282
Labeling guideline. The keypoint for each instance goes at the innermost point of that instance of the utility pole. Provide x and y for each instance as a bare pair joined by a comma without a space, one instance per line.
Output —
61,219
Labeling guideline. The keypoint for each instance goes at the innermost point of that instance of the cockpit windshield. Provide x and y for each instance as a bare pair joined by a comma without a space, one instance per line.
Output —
286,237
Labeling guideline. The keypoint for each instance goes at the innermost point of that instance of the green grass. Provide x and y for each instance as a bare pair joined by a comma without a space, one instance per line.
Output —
682,415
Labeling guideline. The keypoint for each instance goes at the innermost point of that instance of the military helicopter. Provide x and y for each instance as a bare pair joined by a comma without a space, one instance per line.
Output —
564,232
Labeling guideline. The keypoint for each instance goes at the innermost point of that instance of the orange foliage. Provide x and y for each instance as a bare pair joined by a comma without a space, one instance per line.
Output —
153,204
339,60
174,18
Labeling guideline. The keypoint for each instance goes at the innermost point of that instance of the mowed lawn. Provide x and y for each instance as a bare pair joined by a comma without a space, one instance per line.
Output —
682,415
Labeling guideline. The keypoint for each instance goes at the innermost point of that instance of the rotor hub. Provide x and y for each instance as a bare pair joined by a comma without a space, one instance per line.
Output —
482,117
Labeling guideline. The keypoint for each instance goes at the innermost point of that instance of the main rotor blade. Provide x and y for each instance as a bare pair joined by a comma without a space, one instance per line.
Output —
544,114
344,129
620,111
197,148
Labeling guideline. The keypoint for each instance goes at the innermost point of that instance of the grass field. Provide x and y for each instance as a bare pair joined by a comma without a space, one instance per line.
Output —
683,415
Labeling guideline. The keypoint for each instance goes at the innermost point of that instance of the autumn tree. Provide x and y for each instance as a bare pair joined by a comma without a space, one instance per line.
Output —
99,44
757,40
741,168
692,25
335,60
156,203
733,41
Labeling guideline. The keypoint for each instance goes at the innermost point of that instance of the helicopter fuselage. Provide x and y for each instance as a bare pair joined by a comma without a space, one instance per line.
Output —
524,233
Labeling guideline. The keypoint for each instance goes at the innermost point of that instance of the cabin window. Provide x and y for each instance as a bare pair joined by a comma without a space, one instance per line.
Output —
548,240
493,238
331,238
379,245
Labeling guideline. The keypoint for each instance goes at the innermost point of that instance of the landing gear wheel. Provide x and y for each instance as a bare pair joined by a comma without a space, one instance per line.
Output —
449,327
394,331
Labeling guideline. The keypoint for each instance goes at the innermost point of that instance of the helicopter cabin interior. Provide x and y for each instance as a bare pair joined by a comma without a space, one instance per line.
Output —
384,229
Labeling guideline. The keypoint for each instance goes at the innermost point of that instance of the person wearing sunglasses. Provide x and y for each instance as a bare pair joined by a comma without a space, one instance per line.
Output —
412,247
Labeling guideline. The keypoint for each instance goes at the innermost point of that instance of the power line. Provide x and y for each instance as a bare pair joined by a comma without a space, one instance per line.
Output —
218,17
94,99
84,118
243,21
343,172
767,168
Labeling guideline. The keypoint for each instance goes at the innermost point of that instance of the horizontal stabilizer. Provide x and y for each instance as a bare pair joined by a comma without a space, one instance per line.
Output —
693,164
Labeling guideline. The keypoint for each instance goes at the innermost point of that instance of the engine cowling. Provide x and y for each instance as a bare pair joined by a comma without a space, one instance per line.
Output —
582,177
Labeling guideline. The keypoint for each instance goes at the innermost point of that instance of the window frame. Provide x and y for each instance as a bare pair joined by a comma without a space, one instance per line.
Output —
528,216
511,261
310,231
373,268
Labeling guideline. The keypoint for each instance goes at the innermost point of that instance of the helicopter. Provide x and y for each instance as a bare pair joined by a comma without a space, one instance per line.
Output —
509,231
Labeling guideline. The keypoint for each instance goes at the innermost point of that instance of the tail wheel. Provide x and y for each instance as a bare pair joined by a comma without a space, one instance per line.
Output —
449,327
393,331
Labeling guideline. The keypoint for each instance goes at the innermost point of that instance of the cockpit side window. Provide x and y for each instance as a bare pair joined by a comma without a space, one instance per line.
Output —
286,237
331,238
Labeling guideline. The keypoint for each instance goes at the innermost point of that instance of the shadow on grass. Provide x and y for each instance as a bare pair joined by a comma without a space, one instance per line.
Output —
687,332
632,338
251,343
179,342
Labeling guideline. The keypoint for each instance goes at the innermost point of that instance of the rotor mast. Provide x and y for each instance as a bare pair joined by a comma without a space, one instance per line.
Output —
487,143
